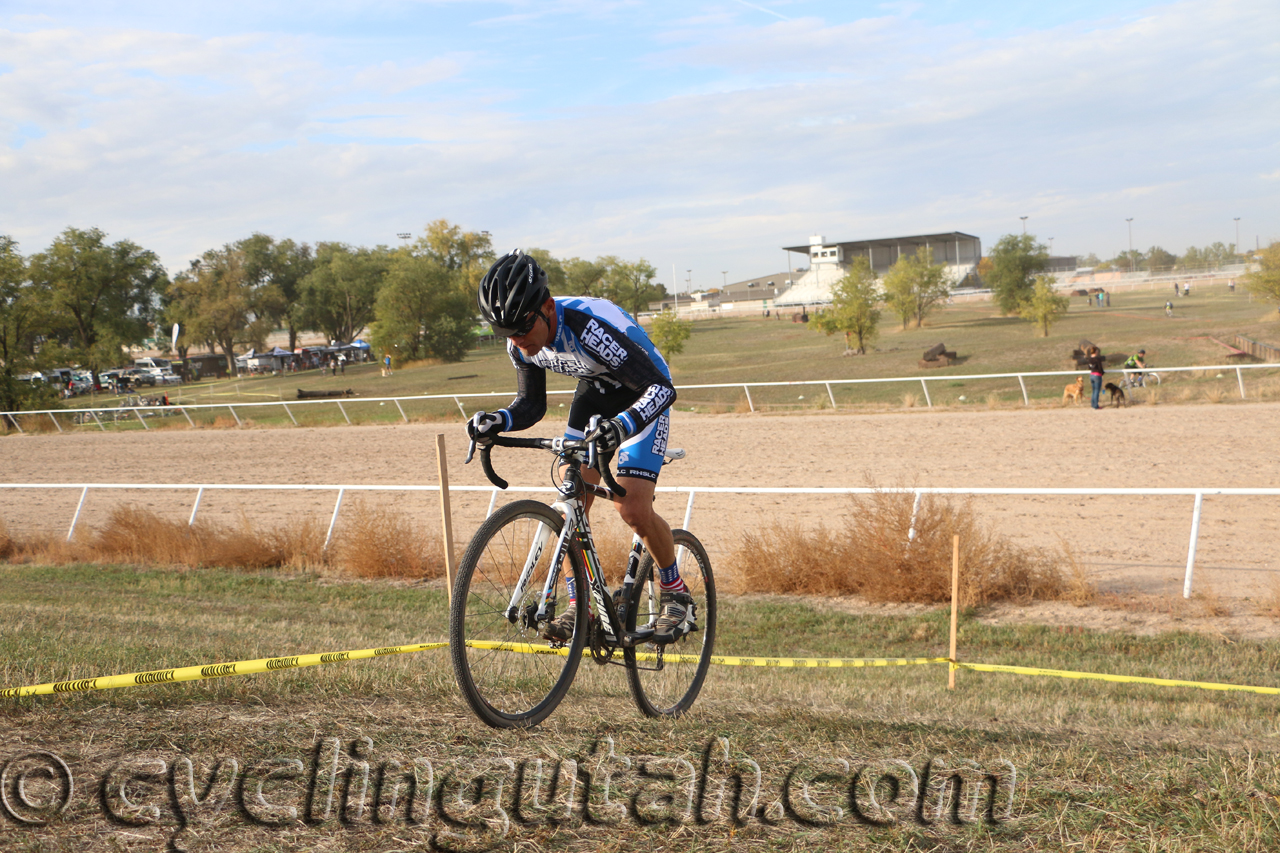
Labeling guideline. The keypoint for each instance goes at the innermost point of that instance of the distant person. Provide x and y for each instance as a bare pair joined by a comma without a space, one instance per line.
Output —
386,365
1175,289
1231,286
1095,360
1168,309
1108,295
1138,361
1186,289
342,363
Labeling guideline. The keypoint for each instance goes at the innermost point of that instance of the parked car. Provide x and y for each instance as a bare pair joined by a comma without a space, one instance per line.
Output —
168,377
135,377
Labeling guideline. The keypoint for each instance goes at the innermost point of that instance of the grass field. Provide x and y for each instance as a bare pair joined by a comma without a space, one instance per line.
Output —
753,349
1099,766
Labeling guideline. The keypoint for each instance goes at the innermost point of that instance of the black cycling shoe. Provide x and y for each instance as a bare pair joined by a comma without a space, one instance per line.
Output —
560,629
676,617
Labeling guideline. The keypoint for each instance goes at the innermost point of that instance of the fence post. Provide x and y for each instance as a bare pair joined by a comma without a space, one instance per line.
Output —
185,414
1025,401
401,408
832,396
915,509
446,516
749,403
955,611
234,415
344,411
688,510
141,419
1191,548
328,537
925,386
1240,380
287,412
95,417
460,409
76,517
195,507
493,499
55,421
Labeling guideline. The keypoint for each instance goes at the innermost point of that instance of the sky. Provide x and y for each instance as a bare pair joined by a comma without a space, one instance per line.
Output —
700,136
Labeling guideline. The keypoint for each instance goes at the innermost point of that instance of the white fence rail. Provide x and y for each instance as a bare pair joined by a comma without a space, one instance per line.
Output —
132,412
918,491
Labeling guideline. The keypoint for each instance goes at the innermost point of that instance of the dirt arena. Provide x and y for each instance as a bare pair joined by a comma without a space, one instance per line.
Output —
1132,546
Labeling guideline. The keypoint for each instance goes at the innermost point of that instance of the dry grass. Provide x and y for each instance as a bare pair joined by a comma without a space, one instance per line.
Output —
1268,605
371,542
869,556
377,543
909,400
742,407
1079,590
1215,394
993,400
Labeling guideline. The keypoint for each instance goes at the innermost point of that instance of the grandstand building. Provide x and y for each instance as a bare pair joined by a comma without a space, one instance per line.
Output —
828,262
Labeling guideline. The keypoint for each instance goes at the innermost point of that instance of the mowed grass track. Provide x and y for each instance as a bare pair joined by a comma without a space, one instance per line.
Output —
755,349
1100,766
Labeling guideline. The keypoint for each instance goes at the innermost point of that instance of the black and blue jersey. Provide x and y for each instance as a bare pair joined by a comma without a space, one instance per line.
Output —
621,372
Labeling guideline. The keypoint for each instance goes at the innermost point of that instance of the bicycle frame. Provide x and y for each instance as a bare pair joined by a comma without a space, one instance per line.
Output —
576,534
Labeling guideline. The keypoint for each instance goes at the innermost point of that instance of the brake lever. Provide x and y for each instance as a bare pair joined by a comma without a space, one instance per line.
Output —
471,451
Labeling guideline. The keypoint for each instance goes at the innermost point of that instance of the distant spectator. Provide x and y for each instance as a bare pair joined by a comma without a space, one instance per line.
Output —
1095,361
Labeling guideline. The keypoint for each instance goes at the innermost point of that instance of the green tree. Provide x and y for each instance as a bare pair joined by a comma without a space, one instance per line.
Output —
1264,282
217,302
1015,262
557,280
669,333
102,297
585,278
915,285
22,316
339,294
421,311
854,310
1045,304
1158,258
282,264
468,252
630,285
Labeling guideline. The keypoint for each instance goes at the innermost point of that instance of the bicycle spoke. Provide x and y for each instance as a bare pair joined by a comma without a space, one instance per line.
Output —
502,677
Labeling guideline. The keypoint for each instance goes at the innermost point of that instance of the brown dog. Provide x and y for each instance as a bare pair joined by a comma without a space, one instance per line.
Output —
1074,390
1117,394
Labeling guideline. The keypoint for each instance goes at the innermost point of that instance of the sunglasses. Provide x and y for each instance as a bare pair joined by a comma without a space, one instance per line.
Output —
525,327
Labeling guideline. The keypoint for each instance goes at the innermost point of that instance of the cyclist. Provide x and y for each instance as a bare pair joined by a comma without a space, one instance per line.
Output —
622,378
1137,361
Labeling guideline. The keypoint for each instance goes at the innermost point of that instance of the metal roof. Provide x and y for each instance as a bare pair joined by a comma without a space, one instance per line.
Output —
889,242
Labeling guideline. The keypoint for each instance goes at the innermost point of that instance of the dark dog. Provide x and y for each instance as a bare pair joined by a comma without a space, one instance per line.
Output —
1117,394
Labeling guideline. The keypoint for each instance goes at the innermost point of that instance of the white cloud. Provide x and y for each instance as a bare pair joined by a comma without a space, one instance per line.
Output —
870,128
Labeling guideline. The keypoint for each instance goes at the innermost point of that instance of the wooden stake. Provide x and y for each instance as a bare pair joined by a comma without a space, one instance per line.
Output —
955,608
446,517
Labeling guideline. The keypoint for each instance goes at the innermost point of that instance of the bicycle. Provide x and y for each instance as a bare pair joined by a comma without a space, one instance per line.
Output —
1138,378
510,584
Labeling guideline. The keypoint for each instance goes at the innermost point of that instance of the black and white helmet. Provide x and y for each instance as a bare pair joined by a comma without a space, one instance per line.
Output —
511,293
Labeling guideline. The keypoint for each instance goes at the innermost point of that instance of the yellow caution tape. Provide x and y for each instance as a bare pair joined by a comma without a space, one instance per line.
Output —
1102,676
249,667
215,670
833,663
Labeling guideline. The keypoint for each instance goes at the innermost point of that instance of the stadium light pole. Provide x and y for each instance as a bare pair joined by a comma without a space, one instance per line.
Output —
1238,252
1024,225
725,273
1050,245
1131,264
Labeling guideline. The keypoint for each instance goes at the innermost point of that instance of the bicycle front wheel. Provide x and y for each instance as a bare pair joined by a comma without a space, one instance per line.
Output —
509,675
666,679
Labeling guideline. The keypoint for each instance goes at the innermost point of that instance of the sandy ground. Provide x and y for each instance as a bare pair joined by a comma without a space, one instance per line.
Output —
1133,547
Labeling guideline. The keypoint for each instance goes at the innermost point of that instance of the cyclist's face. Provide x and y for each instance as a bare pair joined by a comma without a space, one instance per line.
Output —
540,335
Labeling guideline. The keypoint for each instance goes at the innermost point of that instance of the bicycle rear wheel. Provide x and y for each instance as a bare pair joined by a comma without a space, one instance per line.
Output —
666,679
509,675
